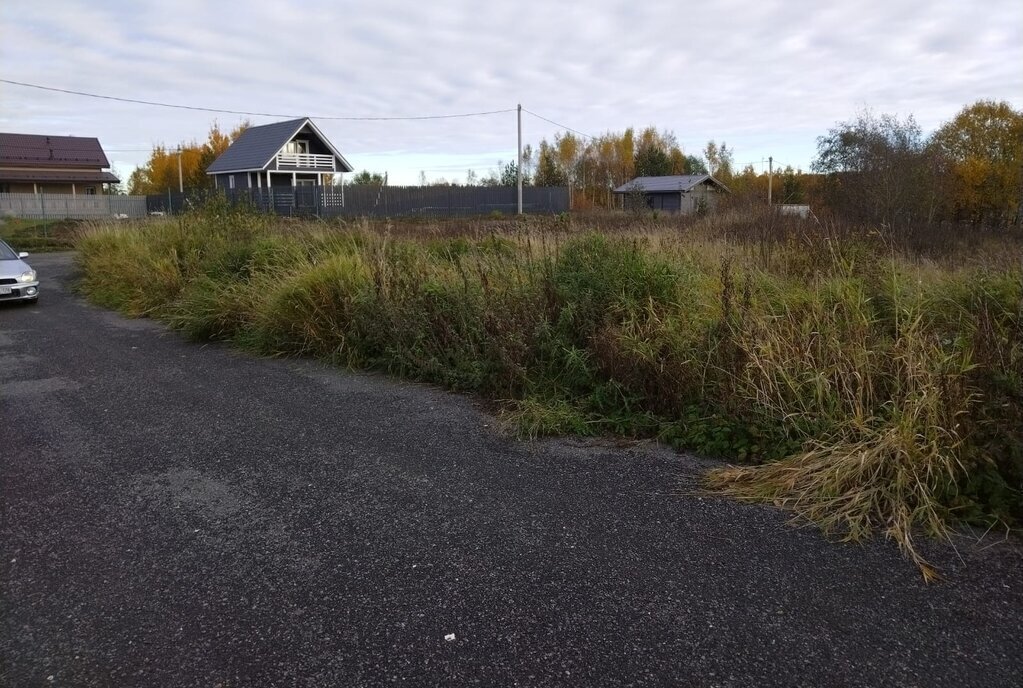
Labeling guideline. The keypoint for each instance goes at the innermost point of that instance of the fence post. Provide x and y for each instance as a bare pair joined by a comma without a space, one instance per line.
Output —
42,205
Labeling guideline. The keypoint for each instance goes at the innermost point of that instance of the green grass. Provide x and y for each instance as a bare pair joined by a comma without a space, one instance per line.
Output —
39,236
869,382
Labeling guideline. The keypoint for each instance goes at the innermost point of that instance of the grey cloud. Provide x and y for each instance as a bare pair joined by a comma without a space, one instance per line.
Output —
762,75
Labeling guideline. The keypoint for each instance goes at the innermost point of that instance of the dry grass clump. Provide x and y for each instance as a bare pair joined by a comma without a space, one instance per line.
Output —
883,432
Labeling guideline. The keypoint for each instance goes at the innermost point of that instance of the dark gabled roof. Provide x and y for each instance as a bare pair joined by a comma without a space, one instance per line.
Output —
673,183
39,150
69,176
257,146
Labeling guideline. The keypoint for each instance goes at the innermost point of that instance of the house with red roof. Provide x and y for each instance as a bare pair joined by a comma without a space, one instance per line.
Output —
36,163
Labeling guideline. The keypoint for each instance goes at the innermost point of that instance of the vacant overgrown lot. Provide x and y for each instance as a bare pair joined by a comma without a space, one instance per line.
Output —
40,236
869,380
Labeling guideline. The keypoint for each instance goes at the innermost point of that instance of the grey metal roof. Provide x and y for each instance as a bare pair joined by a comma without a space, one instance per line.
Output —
257,146
674,183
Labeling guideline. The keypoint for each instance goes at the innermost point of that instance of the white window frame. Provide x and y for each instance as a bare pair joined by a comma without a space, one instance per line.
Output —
230,181
297,146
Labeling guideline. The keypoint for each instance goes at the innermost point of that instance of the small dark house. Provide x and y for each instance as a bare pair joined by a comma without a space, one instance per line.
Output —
684,193
282,154
36,163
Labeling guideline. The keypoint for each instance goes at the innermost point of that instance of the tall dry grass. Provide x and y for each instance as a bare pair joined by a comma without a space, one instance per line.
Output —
870,382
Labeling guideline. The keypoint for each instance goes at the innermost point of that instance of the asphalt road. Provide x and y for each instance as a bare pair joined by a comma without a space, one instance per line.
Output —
185,515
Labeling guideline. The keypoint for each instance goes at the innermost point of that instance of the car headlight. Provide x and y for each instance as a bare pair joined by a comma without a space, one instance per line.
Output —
29,276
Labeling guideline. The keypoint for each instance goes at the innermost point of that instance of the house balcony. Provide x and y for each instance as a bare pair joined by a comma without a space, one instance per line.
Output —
305,161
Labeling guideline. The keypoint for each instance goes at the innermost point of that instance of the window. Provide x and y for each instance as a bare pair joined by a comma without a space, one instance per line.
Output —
230,181
297,146
305,182
90,191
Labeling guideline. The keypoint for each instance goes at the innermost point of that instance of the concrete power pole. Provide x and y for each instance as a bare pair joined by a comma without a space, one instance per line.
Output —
181,179
518,167
770,177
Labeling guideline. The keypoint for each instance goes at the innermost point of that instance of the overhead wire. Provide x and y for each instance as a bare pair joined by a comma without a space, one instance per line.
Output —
345,118
251,113
348,118
558,124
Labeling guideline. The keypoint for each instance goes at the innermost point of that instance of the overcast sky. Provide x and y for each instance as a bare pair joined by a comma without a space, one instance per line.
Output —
766,76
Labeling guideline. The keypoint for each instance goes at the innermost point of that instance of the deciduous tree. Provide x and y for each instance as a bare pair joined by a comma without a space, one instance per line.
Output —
548,171
980,152
878,170
160,173
366,178
719,160
593,167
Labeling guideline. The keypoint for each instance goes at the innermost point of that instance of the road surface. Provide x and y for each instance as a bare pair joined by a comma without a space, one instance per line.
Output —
184,515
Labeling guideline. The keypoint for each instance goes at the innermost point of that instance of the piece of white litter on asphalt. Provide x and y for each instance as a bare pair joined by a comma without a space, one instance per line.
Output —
449,637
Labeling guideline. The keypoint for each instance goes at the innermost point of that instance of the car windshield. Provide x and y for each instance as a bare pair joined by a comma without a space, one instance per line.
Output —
6,253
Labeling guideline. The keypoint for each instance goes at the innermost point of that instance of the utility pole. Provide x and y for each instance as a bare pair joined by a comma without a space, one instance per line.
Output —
518,167
770,177
181,178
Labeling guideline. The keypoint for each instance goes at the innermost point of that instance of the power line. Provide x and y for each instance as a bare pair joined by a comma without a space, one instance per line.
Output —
551,121
778,164
252,114
293,116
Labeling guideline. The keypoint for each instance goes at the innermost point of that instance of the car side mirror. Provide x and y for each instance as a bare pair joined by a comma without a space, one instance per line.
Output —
23,254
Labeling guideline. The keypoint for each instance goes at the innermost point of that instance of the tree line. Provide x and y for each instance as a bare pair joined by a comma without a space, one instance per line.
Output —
876,168
882,169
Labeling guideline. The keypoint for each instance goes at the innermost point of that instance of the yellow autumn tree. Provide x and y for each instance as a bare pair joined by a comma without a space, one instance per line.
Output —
981,151
160,173
592,167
